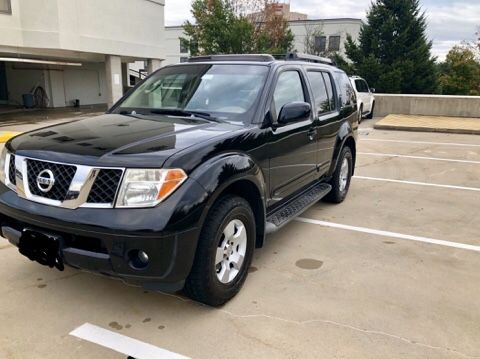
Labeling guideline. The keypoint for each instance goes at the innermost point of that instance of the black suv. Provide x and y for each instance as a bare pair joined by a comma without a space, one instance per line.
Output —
180,180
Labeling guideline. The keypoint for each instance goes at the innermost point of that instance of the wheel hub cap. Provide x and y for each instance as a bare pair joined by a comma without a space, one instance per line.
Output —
231,251
344,171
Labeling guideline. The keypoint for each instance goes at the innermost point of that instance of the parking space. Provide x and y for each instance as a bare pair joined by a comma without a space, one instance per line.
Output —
392,272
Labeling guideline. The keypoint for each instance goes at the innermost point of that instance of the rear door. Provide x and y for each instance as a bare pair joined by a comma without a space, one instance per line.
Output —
326,115
293,147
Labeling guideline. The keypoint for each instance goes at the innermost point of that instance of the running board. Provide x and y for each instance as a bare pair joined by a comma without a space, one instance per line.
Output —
295,207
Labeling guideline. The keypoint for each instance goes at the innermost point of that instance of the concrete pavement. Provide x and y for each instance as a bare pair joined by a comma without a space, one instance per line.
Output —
313,291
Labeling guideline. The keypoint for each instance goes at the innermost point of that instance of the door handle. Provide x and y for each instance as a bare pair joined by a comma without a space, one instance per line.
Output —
312,133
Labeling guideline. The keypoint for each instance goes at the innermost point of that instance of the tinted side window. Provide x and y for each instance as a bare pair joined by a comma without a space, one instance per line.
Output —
331,94
320,92
289,89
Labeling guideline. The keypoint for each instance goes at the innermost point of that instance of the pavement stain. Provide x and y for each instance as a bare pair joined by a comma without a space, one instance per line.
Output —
252,269
146,320
115,325
308,263
161,327
41,286
128,326
388,242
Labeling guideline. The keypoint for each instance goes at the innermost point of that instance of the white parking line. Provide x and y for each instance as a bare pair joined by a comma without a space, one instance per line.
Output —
418,183
422,142
377,232
416,157
122,344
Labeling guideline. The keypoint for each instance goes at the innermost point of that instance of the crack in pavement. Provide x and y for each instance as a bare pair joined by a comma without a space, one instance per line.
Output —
330,322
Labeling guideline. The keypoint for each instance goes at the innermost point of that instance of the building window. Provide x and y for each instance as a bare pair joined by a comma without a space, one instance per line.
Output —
183,59
334,43
183,46
5,7
320,43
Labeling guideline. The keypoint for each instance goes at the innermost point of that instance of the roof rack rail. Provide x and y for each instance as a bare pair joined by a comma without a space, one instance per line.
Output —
246,57
297,56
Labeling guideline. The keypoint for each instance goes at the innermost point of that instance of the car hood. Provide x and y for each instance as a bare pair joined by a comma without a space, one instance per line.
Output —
118,140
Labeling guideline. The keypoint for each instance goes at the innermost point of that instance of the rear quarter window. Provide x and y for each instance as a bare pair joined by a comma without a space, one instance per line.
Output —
346,93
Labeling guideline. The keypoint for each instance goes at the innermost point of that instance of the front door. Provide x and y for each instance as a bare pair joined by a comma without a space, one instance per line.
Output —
364,94
292,149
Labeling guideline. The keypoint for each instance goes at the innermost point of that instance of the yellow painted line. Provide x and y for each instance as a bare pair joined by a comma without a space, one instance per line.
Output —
6,135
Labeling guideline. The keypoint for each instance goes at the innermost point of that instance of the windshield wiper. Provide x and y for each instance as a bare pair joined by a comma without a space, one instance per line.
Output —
180,112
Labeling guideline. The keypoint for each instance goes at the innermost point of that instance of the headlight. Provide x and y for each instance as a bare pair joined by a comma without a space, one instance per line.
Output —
3,164
148,187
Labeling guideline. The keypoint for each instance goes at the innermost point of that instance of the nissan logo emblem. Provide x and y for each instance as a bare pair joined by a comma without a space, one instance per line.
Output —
45,181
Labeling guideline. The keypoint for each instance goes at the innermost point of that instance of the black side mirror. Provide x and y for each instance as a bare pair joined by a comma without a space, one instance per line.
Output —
293,112
372,90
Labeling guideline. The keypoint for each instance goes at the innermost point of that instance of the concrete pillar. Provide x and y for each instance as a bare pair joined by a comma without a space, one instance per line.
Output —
125,74
113,66
153,65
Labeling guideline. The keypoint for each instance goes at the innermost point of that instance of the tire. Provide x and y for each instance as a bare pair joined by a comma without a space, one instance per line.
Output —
209,282
370,115
360,115
340,184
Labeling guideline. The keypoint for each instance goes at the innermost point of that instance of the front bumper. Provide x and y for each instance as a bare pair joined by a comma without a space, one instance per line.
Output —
103,240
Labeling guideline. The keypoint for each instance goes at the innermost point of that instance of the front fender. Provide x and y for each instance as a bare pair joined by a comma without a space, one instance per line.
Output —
235,173
220,172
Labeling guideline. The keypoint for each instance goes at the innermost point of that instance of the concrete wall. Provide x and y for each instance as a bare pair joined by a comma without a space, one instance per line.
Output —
132,28
329,27
428,105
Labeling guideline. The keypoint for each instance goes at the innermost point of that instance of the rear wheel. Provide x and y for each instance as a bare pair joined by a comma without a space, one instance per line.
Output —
370,115
224,252
360,114
342,176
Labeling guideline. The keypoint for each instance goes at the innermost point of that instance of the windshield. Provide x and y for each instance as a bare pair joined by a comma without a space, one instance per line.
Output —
222,91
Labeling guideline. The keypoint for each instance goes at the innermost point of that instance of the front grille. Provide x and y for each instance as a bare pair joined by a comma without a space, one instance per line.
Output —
63,175
105,186
11,170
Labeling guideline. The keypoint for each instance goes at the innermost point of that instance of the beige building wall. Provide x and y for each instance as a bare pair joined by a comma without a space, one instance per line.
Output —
88,32
131,28
328,27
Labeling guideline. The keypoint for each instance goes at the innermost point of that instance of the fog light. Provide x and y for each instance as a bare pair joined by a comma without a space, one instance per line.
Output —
138,259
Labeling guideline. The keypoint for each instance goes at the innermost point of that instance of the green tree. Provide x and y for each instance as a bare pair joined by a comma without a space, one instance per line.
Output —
393,53
217,29
224,27
460,73
273,35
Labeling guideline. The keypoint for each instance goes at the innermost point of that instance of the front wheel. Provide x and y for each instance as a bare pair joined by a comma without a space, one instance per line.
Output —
224,252
342,177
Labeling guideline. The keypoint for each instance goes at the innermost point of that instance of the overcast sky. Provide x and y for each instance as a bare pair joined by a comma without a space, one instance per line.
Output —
449,21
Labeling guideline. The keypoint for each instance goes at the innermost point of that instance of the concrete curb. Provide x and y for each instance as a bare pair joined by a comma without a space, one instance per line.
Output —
428,129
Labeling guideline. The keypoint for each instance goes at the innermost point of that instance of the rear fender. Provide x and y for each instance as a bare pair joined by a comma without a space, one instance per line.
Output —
344,134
